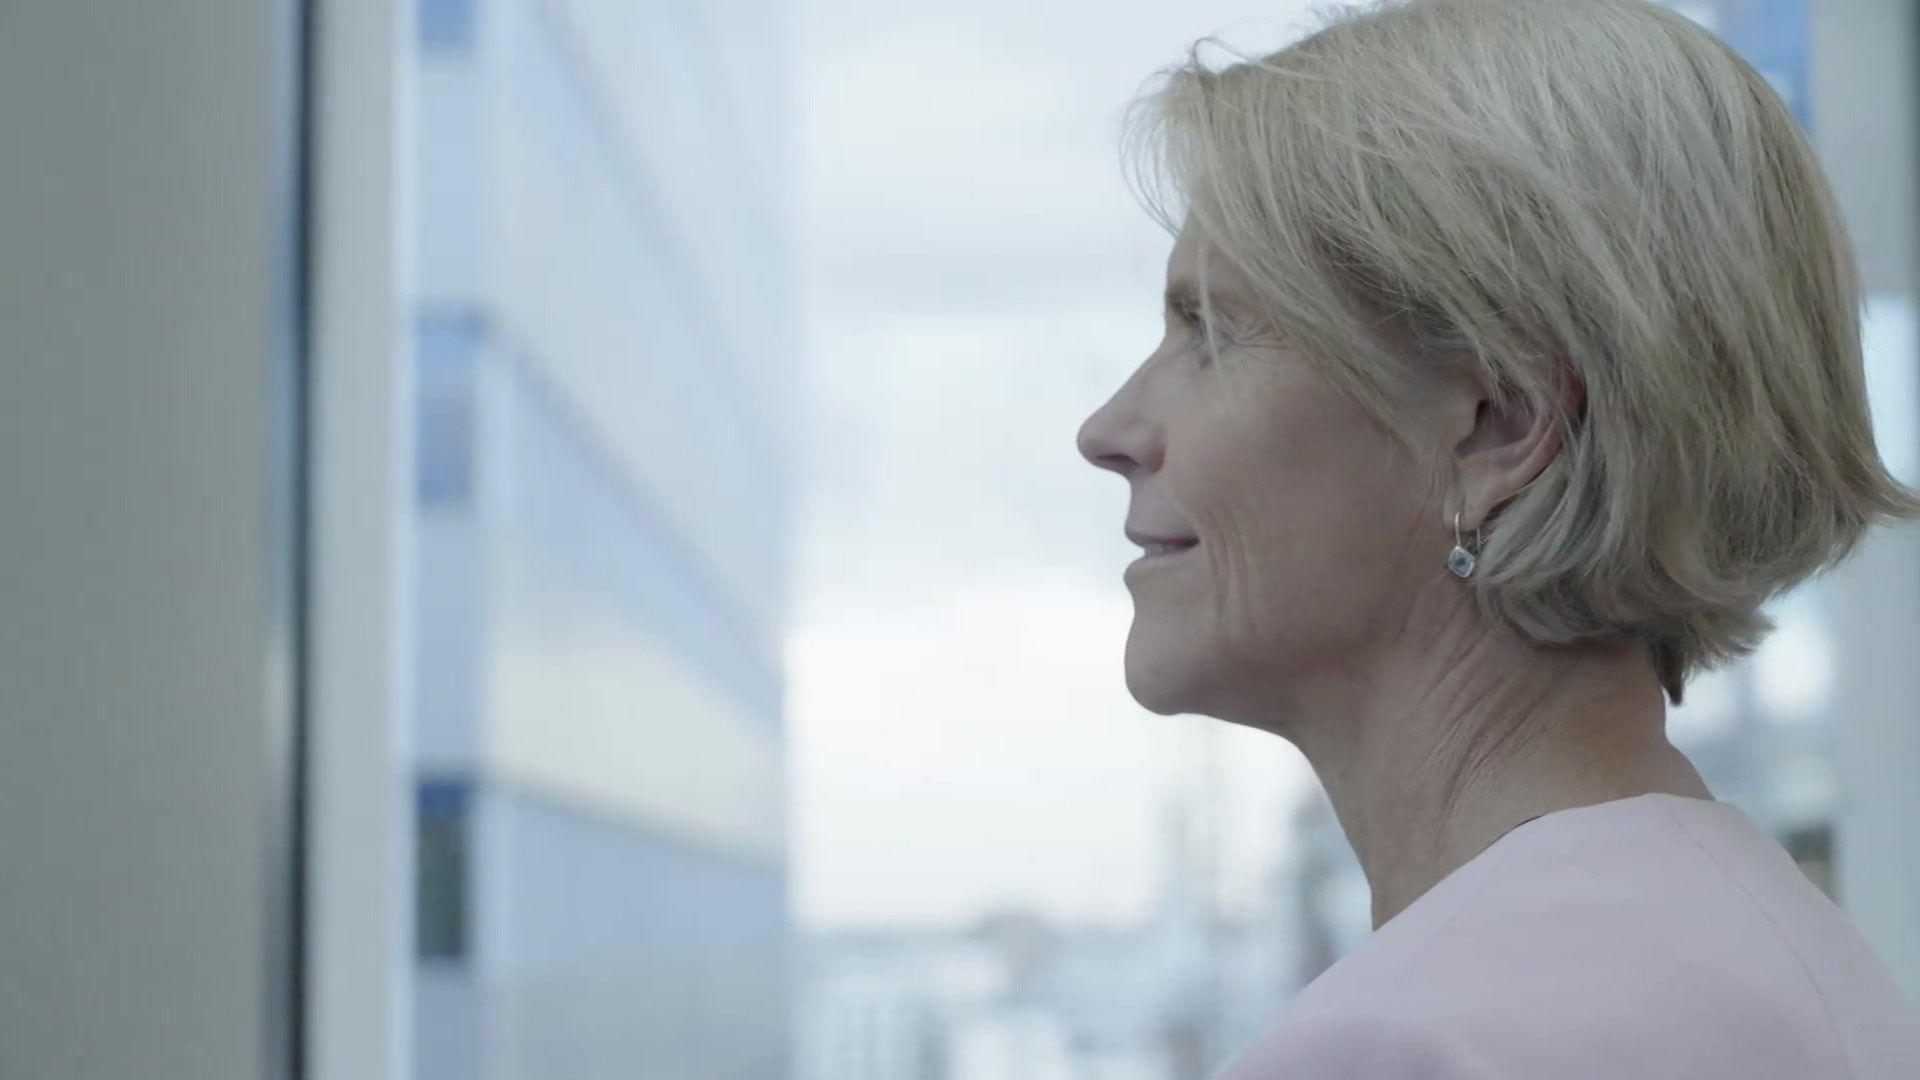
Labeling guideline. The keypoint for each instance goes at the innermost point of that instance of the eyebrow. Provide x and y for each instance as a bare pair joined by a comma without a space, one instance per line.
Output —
1184,293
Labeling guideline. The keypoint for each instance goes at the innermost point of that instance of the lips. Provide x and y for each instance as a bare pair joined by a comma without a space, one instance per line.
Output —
1168,540
1160,554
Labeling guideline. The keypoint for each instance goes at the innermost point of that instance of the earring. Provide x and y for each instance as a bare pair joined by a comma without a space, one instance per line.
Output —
1460,560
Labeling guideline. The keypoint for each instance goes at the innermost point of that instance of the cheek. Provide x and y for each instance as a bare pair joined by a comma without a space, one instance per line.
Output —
1307,509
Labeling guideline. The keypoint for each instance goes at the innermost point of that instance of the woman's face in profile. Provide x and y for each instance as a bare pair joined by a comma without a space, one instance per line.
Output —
1306,527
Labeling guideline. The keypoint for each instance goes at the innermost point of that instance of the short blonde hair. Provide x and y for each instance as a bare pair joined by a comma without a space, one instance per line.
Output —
1524,184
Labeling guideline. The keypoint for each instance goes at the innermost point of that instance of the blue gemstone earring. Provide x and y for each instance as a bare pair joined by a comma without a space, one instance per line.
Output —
1460,560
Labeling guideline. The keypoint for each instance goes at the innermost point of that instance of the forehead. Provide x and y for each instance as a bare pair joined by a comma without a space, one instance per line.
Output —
1184,269
1184,259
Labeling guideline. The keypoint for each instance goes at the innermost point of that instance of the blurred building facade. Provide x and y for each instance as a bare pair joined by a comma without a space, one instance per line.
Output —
606,375
1016,996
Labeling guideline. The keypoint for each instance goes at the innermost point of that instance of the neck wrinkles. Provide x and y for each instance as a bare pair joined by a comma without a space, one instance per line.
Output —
1454,748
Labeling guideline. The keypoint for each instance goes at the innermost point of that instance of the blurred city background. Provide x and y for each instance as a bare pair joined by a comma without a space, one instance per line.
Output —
705,638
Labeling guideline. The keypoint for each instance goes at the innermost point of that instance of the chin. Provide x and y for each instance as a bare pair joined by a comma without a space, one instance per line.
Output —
1163,679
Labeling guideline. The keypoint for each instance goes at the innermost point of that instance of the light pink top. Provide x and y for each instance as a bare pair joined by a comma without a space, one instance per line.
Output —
1649,937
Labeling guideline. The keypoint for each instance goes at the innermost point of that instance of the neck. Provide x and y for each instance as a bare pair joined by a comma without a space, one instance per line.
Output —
1433,765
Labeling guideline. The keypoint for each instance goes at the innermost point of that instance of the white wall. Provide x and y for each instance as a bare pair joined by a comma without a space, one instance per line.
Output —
359,941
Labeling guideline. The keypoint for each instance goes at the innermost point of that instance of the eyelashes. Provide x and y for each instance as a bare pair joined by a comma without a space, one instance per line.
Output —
1190,319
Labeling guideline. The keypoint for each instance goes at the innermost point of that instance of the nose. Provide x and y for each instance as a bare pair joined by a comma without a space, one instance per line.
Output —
1118,437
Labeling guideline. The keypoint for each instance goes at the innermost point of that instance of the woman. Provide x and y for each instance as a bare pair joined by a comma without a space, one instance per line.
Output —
1511,364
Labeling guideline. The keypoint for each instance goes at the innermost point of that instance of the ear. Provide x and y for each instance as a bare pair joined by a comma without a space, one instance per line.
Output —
1506,449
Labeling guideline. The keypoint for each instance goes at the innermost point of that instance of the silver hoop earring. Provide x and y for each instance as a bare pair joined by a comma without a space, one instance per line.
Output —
1460,560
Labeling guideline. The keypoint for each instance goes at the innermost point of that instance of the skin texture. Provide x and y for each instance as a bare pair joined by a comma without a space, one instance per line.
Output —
1317,605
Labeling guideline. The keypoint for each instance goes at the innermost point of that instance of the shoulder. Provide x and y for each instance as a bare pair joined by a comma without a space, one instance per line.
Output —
1384,1044
1604,953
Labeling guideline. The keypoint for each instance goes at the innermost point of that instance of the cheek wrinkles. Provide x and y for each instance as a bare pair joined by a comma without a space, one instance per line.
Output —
1235,617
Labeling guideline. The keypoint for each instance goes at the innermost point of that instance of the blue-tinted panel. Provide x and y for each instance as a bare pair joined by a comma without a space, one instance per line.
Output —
1772,35
443,441
445,24
443,852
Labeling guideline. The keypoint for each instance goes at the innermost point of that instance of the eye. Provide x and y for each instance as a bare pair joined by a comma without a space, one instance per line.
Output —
1190,318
